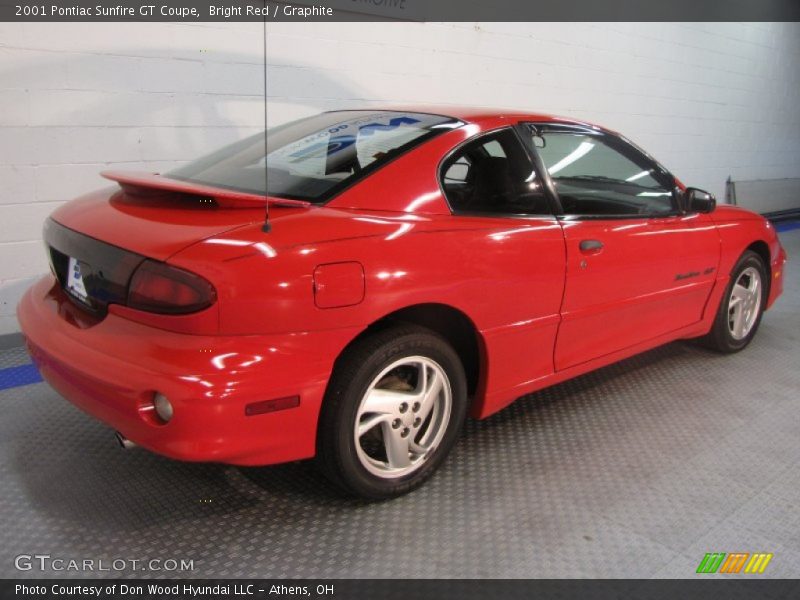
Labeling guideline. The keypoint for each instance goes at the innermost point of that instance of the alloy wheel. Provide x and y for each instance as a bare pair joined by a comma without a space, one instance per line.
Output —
744,303
403,417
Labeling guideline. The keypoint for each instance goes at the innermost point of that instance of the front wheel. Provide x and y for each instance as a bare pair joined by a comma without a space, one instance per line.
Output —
742,306
392,412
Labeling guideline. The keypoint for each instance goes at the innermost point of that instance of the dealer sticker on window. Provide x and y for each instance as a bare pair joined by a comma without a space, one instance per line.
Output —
75,285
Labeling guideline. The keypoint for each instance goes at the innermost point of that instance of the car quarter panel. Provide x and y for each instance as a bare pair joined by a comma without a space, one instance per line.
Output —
505,274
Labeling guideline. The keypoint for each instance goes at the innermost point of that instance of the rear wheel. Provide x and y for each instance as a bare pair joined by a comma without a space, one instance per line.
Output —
742,306
392,412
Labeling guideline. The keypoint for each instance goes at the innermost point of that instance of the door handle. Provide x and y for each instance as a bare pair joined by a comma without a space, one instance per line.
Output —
591,246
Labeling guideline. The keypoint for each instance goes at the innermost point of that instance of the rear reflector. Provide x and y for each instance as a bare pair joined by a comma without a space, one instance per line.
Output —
160,288
268,406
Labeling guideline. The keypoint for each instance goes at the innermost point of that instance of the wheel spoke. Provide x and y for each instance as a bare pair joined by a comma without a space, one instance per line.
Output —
422,379
429,397
755,290
382,401
397,450
739,294
417,448
738,321
367,424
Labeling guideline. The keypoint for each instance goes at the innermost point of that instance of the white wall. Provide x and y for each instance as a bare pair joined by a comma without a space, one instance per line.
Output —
708,100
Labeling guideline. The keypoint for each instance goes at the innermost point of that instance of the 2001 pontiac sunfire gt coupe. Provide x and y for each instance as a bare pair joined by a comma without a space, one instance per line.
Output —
415,267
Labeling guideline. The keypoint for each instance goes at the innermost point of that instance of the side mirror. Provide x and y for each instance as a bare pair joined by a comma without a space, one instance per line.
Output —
699,201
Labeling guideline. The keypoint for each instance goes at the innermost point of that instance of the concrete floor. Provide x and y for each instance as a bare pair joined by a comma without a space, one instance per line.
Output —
636,470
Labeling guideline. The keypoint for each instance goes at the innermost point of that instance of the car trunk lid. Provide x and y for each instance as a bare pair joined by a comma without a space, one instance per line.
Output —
156,216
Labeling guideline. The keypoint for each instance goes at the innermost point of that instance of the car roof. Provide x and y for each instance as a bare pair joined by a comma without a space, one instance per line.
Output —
486,116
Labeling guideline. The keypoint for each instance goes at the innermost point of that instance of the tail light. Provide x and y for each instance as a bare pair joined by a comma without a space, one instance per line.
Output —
160,288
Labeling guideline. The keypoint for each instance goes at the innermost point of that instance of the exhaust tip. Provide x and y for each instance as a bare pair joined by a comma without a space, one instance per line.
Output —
124,442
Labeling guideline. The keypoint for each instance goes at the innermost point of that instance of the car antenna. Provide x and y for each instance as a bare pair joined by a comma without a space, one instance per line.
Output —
266,227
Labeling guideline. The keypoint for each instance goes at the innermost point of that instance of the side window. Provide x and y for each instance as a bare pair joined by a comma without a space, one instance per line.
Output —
601,175
493,175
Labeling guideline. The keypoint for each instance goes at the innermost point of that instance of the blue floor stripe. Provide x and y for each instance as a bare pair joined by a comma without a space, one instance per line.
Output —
16,376
787,226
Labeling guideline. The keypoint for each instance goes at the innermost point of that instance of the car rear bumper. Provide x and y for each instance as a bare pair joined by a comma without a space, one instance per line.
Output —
113,368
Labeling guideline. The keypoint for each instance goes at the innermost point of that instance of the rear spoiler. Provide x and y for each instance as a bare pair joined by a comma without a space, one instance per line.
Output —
139,183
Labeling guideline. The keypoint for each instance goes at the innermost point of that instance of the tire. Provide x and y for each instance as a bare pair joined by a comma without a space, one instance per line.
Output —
379,434
741,307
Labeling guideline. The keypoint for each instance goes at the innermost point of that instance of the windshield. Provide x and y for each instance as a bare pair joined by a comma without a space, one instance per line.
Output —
313,159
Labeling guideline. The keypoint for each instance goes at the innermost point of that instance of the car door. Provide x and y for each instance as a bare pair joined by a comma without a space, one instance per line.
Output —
637,266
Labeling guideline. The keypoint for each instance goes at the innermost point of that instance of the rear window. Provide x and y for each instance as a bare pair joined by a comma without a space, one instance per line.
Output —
313,159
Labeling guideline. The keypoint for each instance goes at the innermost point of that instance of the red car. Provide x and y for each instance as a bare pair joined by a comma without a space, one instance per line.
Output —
407,267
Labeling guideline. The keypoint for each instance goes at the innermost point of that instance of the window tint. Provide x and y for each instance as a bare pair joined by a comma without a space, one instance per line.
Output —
312,159
493,175
601,175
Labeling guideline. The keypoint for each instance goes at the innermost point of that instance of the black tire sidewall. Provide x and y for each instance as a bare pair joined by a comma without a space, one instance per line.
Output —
353,376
